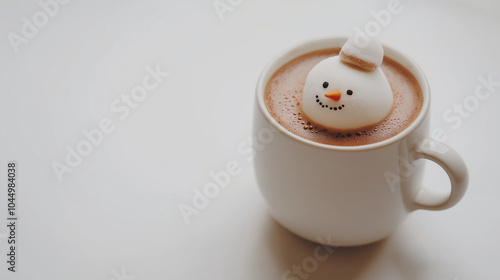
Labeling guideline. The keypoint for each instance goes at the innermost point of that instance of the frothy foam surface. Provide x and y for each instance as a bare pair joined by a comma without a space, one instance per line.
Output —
283,98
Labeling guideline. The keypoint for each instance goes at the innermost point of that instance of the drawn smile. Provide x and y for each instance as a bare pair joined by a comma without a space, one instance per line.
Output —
328,107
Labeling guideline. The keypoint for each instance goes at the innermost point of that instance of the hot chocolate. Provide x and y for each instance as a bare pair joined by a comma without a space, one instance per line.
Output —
284,98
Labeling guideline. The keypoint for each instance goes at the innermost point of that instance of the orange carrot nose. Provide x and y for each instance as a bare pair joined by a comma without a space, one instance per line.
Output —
335,95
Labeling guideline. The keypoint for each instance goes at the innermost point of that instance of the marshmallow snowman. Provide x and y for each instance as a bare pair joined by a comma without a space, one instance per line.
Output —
348,91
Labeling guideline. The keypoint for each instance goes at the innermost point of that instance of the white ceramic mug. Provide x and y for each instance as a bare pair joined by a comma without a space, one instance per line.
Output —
353,194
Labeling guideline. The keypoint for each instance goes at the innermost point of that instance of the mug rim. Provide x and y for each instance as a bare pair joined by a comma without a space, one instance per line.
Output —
320,43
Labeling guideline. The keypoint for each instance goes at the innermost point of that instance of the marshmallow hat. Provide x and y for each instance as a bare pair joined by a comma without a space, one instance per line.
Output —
349,91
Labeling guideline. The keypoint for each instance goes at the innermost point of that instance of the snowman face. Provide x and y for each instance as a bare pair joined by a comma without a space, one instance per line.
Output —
339,96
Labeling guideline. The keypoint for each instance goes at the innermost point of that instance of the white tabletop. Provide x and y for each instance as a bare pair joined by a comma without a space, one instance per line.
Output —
73,67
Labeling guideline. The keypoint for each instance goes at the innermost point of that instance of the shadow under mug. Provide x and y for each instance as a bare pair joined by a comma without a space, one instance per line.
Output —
349,195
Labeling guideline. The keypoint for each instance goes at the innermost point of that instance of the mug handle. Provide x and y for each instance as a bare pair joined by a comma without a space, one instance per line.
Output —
454,166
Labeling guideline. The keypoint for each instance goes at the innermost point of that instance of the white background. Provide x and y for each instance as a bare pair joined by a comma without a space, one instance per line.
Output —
116,216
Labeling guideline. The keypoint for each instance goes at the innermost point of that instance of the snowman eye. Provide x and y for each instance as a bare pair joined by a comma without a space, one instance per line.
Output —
325,84
349,92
